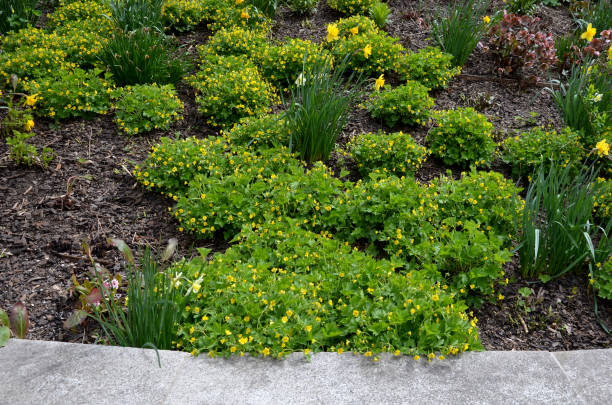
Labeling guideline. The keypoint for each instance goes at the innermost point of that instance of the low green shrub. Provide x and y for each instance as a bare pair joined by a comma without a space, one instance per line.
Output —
268,131
602,207
230,88
271,183
31,62
370,53
407,104
396,153
282,64
602,279
184,15
228,14
234,41
356,25
93,11
351,6
487,198
23,153
308,293
173,164
469,259
143,57
462,137
74,93
303,7
539,145
145,107
430,66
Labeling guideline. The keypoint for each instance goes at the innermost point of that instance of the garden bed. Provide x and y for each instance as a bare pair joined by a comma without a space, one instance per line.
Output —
90,193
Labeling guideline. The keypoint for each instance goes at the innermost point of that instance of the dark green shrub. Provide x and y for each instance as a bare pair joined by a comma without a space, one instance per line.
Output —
17,14
396,153
527,151
408,104
462,137
430,66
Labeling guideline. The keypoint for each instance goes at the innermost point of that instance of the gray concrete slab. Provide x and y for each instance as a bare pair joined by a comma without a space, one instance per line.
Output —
473,378
590,372
36,372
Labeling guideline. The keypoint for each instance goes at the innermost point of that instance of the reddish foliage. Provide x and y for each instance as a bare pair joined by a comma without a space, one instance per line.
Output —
522,48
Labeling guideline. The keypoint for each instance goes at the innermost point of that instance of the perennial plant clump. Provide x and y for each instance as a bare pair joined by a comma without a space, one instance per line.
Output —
145,107
462,137
407,104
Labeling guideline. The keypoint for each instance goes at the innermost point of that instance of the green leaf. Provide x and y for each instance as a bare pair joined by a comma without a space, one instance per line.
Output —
5,334
545,278
4,319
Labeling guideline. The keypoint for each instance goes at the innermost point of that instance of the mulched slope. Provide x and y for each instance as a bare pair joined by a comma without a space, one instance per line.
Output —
42,224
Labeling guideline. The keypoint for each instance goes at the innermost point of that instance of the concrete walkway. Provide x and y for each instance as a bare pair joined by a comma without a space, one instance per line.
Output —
37,372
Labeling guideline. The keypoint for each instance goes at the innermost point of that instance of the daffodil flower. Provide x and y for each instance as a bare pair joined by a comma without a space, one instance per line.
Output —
589,33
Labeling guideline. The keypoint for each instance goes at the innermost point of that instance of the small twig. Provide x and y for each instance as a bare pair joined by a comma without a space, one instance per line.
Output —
79,258
524,324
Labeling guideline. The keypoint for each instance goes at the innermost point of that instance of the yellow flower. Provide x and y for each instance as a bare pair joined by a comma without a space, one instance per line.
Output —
380,83
266,351
486,19
603,148
354,30
244,14
29,125
610,52
31,100
589,33
367,51
332,32
239,2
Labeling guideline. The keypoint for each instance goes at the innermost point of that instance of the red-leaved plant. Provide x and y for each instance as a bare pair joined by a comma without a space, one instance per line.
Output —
521,47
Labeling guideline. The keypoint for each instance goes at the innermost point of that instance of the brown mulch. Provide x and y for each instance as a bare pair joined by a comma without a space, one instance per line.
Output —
89,194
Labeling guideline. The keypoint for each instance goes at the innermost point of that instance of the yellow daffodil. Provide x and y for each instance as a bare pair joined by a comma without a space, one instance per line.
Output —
29,125
31,100
603,148
245,15
239,2
589,33
610,52
486,19
354,30
380,83
332,32
367,51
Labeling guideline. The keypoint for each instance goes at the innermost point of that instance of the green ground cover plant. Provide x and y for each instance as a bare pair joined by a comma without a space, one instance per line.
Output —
231,88
396,153
310,293
145,107
407,104
371,52
462,137
429,66
351,6
540,145
16,14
